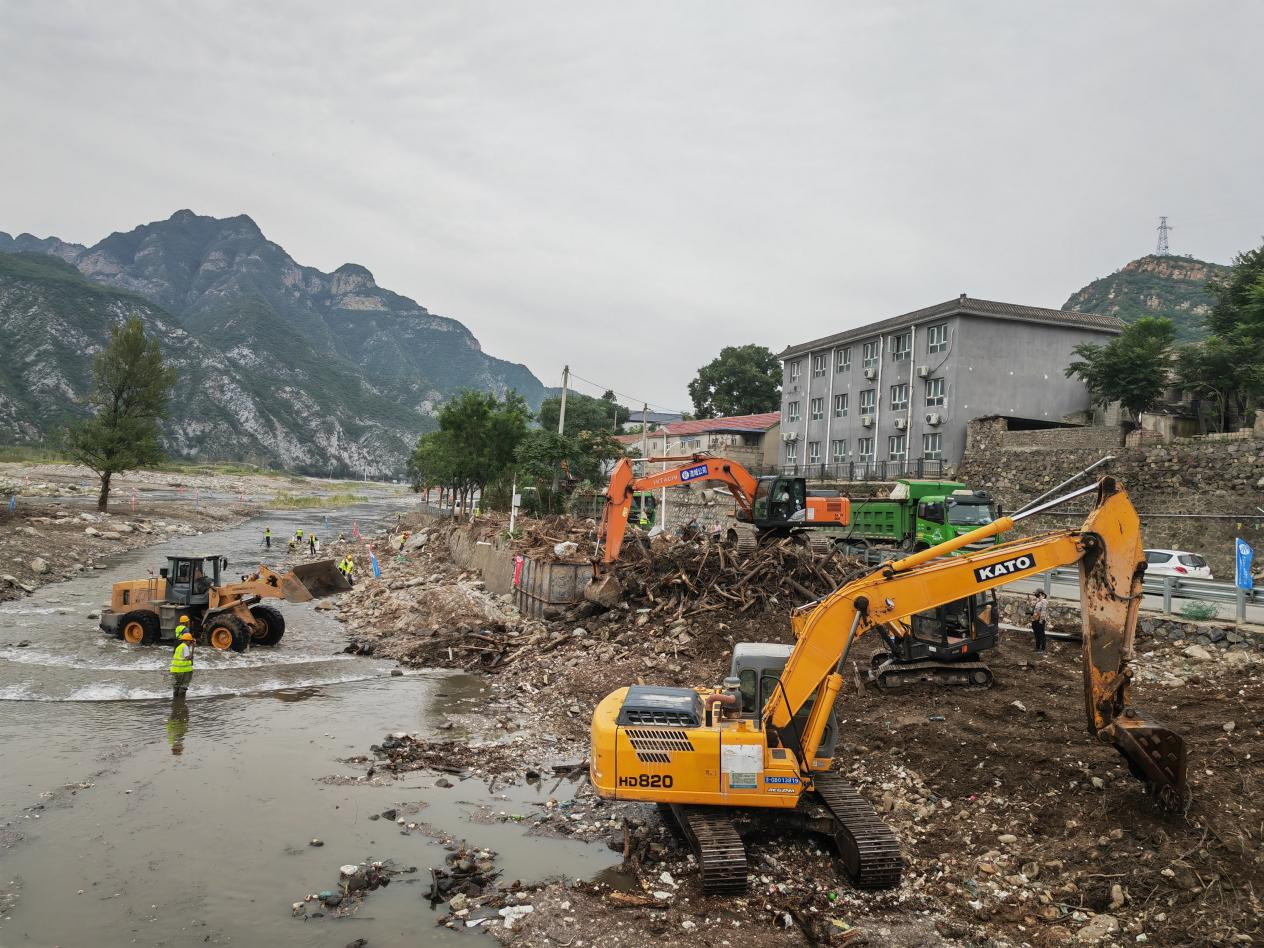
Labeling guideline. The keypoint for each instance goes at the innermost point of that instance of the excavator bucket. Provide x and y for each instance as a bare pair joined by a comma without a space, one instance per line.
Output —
604,590
1110,595
313,581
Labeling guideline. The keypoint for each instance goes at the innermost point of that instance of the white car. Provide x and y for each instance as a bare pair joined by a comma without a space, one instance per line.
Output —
1176,563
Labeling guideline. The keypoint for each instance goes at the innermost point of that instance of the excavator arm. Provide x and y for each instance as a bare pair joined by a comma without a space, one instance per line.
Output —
696,467
1107,549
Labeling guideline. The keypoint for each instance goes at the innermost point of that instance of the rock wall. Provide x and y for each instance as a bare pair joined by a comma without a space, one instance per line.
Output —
1219,482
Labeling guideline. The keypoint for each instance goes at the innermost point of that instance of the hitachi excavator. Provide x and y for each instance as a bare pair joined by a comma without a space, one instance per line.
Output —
763,743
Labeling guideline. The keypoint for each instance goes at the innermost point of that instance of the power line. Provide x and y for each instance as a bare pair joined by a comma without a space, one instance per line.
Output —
641,401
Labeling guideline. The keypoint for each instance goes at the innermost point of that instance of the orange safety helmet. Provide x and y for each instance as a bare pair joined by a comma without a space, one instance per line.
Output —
186,637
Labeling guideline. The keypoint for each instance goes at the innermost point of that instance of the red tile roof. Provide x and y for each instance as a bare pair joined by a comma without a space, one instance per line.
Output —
761,422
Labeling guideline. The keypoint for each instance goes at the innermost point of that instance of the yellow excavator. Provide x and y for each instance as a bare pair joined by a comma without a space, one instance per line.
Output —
763,743
223,615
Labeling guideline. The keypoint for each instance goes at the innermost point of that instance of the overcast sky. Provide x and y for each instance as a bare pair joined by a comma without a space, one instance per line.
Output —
628,187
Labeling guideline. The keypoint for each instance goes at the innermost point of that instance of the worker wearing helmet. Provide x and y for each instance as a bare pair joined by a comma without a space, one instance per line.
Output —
182,659
347,566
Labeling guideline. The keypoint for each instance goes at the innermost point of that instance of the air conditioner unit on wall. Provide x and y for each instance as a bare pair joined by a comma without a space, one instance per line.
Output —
871,373
934,418
790,436
923,371
901,424
866,421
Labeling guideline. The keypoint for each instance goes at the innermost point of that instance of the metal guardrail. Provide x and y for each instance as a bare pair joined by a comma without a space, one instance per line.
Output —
1175,587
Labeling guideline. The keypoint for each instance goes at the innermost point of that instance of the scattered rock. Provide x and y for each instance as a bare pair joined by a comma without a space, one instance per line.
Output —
316,842
444,783
38,565
1099,928
1228,726
397,673
1196,653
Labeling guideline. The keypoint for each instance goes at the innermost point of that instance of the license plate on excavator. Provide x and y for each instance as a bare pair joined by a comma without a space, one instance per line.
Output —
313,581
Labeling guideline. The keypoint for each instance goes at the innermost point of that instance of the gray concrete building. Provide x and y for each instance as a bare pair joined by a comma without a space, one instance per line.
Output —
894,397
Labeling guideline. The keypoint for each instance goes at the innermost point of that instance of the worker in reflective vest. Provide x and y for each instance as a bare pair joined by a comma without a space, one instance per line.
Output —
347,566
182,660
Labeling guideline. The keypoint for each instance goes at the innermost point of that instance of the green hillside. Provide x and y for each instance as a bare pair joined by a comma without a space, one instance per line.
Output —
1175,287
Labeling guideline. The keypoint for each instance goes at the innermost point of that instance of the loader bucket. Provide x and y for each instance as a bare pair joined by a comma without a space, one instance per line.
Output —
313,581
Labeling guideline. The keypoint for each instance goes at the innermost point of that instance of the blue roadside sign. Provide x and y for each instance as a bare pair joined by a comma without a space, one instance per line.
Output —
1244,557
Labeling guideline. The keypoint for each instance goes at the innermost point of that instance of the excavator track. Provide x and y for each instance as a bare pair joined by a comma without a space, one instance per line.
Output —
890,676
869,849
718,846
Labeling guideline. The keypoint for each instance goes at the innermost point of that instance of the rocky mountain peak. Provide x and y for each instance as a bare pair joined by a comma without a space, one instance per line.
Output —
349,278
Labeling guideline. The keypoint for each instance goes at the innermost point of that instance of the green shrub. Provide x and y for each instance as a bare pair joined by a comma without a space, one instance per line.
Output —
1199,611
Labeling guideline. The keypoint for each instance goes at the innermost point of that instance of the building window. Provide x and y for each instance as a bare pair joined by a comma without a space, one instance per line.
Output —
933,446
838,449
844,359
869,401
792,451
792,411
934,391
871,354
818,408
795,368
937,338
901,344
818,367
864,447
840,406
899,397
897,447
814,452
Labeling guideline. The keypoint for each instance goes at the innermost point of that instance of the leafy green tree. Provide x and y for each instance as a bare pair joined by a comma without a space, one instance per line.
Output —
583,413
1227,370
1131,369
542,453
130,388
741,380
475,445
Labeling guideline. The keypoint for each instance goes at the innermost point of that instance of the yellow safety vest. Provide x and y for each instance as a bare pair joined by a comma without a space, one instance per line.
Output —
181,661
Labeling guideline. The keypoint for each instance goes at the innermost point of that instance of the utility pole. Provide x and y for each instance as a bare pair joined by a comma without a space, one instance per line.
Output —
561,415
1163,228
645,436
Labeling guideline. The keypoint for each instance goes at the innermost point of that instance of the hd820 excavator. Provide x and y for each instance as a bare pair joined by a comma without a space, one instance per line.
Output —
764,742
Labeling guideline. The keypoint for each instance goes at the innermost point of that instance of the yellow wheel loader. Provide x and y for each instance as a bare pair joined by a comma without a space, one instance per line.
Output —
222,615
762,745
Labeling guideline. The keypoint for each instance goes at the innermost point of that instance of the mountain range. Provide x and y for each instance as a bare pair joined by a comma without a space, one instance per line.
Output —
279,364
1175,287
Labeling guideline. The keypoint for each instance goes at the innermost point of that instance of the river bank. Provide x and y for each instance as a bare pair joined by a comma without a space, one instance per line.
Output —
1016,829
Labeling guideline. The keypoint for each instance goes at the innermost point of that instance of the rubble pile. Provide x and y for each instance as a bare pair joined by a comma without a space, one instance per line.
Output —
1017,828
355,882
682,580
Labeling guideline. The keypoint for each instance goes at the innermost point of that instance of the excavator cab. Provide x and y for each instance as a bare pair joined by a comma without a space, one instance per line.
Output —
778,501
940,645
758,666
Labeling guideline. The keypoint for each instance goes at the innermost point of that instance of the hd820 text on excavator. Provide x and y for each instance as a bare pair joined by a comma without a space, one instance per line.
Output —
764,742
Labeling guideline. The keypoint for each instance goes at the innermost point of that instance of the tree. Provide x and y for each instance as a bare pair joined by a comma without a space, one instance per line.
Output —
1228,370
584,456
475,445
583,413
130,388
1228,367
742,380
1131,369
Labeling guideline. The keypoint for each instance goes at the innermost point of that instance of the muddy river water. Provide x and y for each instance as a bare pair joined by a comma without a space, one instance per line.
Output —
125,820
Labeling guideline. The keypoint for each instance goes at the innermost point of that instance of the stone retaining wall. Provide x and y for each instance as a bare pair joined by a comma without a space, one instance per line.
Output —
1224,477
1065,617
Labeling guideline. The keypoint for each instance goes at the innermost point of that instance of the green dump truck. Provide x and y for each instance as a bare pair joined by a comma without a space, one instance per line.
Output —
917,515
